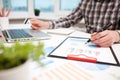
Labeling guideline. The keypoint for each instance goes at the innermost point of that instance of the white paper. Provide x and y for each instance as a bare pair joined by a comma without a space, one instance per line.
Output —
78,46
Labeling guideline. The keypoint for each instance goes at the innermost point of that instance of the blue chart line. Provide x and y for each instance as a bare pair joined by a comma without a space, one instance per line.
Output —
47,50
92,45
45,60
85,65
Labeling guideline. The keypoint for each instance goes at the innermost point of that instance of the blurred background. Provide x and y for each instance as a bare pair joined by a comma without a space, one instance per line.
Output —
49,9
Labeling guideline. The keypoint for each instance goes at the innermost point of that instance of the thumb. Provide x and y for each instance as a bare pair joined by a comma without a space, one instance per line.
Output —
93,34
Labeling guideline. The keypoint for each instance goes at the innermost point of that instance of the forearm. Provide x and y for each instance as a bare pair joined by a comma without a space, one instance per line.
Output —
68,21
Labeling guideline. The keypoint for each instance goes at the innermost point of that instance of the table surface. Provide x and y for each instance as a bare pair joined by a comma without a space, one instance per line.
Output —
60,69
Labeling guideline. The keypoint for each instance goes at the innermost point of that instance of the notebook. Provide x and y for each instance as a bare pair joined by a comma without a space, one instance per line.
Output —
12,35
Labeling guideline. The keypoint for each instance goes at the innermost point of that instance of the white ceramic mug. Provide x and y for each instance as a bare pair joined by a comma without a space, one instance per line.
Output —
4,23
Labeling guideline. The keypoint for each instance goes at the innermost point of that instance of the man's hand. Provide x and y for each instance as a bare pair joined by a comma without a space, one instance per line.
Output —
105,38
38,24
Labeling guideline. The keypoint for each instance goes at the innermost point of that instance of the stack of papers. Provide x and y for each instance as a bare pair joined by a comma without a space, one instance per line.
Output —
65,71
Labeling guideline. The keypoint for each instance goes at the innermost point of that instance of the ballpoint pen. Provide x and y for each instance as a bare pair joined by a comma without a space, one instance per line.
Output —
104,28
26,21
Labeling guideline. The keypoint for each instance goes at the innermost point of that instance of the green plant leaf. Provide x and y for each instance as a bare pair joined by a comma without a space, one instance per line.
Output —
18,53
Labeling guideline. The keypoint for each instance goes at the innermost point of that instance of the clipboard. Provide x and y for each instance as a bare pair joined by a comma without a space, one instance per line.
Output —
74,48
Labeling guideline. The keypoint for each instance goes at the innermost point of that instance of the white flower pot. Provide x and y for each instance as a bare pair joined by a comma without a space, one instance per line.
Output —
18,73
4,23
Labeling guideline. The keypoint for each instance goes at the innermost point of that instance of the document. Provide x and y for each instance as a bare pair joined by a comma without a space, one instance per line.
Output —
74,48
62,72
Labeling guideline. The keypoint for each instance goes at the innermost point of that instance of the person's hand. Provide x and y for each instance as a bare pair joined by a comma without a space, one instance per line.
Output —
105,38
38,24
3,12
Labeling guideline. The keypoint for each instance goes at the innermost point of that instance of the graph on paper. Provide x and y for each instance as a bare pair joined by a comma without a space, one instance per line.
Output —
76,45
66,71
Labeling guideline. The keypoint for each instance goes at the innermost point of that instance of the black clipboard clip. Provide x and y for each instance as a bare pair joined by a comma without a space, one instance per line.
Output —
81,57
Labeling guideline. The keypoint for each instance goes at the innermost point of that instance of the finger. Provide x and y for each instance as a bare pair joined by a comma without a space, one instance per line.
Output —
98,35
35,27
92,36
3,12
0,14
106,44
8,13
33,20
100,41
103,39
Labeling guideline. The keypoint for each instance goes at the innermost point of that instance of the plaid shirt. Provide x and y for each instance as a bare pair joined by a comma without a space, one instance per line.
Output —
95,13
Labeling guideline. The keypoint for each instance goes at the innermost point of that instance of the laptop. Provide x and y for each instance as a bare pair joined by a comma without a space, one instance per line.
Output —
23,34
12,35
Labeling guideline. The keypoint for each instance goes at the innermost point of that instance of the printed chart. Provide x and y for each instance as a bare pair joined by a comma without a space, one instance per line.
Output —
66,71
77,46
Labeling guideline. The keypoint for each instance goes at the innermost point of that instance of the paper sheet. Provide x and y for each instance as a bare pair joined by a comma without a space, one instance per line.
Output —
65,71
77,46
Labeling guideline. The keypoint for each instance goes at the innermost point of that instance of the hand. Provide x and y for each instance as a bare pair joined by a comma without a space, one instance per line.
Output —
105,38
38,24
3,12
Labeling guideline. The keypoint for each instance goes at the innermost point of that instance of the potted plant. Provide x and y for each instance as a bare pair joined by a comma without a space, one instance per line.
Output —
37,12
14,59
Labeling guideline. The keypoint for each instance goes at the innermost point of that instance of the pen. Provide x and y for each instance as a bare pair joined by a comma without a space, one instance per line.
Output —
26,21
104,28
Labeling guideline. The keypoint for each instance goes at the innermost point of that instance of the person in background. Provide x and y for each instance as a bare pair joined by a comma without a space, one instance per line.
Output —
97,14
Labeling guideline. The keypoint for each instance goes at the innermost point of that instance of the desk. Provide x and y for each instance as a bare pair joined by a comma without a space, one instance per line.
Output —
59,69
